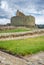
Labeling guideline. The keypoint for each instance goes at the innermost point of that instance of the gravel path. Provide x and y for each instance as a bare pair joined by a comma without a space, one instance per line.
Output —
7,59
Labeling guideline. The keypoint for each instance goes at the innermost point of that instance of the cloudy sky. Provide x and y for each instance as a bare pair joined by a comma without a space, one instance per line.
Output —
8,9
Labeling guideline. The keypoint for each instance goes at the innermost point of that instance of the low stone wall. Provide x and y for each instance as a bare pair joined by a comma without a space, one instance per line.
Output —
21,34
6,27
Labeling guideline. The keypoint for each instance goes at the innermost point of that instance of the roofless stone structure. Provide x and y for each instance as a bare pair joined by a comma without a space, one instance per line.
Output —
22,20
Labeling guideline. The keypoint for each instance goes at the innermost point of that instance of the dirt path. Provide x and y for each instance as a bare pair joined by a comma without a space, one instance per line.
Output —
7,59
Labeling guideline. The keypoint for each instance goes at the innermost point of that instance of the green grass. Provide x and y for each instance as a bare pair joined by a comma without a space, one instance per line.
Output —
14,30
23,47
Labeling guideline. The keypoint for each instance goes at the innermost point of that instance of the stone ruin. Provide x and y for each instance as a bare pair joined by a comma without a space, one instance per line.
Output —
22,20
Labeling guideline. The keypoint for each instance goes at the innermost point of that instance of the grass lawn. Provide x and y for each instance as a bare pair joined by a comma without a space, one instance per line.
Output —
23,47
14,30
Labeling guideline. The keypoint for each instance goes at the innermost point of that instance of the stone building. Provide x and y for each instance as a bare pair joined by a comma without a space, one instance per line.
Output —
21,20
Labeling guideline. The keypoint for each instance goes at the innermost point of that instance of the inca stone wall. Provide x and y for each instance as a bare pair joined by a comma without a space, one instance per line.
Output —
23,21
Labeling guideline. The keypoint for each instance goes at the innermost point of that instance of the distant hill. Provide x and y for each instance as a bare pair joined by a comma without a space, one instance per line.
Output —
40,25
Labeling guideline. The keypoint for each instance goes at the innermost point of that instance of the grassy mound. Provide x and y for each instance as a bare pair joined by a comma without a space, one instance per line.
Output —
23,47
14,30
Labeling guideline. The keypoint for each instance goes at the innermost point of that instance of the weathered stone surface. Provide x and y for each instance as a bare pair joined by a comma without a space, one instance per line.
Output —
18,13
21,20
6,59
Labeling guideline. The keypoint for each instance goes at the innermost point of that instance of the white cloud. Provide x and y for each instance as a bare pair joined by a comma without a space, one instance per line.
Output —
39,19
6,8
28,11
4,21
4,5
42,12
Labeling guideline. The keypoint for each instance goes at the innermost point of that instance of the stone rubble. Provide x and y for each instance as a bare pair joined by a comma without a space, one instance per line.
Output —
7,59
